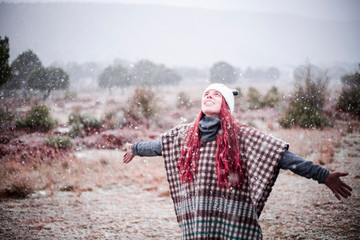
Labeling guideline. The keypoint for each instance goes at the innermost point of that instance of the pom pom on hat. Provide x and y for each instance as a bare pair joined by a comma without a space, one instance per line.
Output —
226,92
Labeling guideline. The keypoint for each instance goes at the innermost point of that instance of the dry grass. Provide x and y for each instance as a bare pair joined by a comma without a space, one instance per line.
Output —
20,179
315,145
80,172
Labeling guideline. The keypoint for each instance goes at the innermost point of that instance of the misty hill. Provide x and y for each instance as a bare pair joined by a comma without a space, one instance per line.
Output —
174,36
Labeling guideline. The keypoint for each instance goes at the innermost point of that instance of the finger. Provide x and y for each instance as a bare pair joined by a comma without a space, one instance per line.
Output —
126,158
342,174
337,195
344,190
342,193
346,186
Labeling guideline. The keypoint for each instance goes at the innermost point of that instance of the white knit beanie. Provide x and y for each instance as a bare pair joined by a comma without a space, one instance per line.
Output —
226,92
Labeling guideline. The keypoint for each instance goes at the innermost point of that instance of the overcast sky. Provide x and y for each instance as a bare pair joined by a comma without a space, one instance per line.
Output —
187,32
323,9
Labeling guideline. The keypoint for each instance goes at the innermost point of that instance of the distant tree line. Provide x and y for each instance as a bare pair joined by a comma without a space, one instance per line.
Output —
271,73
226,73
144,72
27,73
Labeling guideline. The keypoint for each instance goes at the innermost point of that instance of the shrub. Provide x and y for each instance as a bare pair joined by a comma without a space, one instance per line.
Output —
305,107
183,100
38,118
349,100
90,121
142,105
254,99
60,142
114,119
74,118
82,125
77,130
303,115
272,97
17,190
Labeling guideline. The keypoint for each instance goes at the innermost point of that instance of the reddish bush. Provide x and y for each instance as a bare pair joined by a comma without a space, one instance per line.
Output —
111,139
31,146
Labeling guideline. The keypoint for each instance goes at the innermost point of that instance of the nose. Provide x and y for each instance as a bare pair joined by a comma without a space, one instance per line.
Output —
209,95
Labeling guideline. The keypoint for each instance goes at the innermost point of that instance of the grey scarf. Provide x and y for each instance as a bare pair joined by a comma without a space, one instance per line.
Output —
209,126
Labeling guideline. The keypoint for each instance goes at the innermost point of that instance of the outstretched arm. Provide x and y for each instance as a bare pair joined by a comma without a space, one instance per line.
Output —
337,186
302,167
308,169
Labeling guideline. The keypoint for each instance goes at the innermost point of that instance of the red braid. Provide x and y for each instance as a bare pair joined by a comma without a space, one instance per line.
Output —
228,150
227,154
187,163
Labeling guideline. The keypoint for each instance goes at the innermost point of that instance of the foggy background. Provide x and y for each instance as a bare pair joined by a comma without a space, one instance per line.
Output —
191,35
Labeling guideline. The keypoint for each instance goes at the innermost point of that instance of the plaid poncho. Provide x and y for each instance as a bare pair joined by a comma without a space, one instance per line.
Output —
206,211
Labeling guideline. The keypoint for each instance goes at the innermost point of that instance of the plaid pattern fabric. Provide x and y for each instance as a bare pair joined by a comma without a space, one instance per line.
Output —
206,211
261,155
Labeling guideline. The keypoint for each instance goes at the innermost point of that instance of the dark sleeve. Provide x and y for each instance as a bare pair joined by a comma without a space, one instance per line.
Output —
302,167
147,149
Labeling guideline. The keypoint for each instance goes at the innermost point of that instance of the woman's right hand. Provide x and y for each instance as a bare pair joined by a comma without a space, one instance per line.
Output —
129,155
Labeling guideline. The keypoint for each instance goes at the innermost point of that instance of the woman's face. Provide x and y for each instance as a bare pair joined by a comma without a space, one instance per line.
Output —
211,103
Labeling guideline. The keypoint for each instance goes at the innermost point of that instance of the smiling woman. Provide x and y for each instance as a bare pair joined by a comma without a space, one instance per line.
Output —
216,94
221,172
211,103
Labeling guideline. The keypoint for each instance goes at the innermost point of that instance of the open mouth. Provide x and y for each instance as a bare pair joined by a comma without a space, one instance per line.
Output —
208,102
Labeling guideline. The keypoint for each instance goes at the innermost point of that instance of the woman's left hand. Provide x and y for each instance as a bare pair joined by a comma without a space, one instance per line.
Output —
337,186
129,155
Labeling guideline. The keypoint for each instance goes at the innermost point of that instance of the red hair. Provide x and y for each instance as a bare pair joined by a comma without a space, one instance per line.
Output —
228,158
